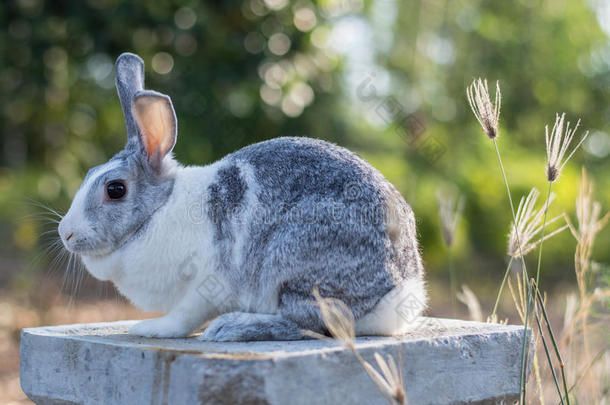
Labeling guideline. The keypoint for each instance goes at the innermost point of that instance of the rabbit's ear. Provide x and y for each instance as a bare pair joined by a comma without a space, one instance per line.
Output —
156,121
129,80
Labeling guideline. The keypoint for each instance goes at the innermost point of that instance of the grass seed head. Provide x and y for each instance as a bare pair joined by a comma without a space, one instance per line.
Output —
558,142
529,225
338,318
487,114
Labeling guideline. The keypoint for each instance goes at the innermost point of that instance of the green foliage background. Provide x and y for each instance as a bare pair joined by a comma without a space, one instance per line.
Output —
244,71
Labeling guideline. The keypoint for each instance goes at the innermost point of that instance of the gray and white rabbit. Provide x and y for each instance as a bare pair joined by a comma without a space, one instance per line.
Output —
243,241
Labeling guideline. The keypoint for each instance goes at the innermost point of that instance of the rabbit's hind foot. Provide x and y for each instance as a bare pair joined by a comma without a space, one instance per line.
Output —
244,326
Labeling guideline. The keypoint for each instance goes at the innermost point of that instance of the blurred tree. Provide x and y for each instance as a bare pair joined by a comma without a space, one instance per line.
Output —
238,72
385,78
549,56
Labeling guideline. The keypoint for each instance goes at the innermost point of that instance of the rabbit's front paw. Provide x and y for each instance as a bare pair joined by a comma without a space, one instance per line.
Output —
163,327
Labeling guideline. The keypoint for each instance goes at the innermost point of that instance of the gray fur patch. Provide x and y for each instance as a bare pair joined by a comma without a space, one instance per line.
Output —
225,196
324,217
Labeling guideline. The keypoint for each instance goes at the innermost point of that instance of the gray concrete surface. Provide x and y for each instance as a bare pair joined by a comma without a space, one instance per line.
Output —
443,361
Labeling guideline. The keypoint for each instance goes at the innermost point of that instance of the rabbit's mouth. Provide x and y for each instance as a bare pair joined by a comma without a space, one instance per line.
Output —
88,246
83,241
97,253
98,250
106,249
84,247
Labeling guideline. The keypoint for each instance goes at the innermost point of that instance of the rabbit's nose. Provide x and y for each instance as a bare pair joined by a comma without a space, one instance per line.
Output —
64,231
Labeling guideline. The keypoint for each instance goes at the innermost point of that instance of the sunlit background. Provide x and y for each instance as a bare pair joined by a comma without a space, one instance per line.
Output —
385,78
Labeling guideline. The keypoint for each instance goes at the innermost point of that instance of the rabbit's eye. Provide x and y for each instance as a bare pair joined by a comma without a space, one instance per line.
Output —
115,190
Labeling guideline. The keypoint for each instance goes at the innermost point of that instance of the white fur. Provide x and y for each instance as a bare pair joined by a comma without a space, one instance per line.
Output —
397,312
251,201
145,269
265,301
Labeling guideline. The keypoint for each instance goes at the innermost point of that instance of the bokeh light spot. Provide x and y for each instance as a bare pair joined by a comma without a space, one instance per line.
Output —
291,108
301,94
276,4
270,95
279,44
185,18
305,19
99,66
258,8
162,63
319,37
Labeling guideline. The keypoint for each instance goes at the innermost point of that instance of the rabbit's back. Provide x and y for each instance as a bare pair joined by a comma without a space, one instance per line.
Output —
313,213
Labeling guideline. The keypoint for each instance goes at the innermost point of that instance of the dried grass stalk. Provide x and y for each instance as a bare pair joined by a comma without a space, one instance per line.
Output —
339,321
487,114
529,225
450,212
557,144
468,298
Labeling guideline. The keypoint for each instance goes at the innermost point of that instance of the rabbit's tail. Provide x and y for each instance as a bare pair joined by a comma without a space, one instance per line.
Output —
397,312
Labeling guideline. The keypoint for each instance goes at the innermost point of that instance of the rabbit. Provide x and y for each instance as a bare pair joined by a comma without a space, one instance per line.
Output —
241,243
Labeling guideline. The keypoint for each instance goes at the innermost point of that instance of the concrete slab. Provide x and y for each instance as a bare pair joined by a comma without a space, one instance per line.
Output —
443,361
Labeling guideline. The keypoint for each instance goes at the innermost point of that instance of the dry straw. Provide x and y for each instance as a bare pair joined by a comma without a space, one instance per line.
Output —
523,236
528,232
487,114
558,142
450,212
339,321
590,222
468,298
529,225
